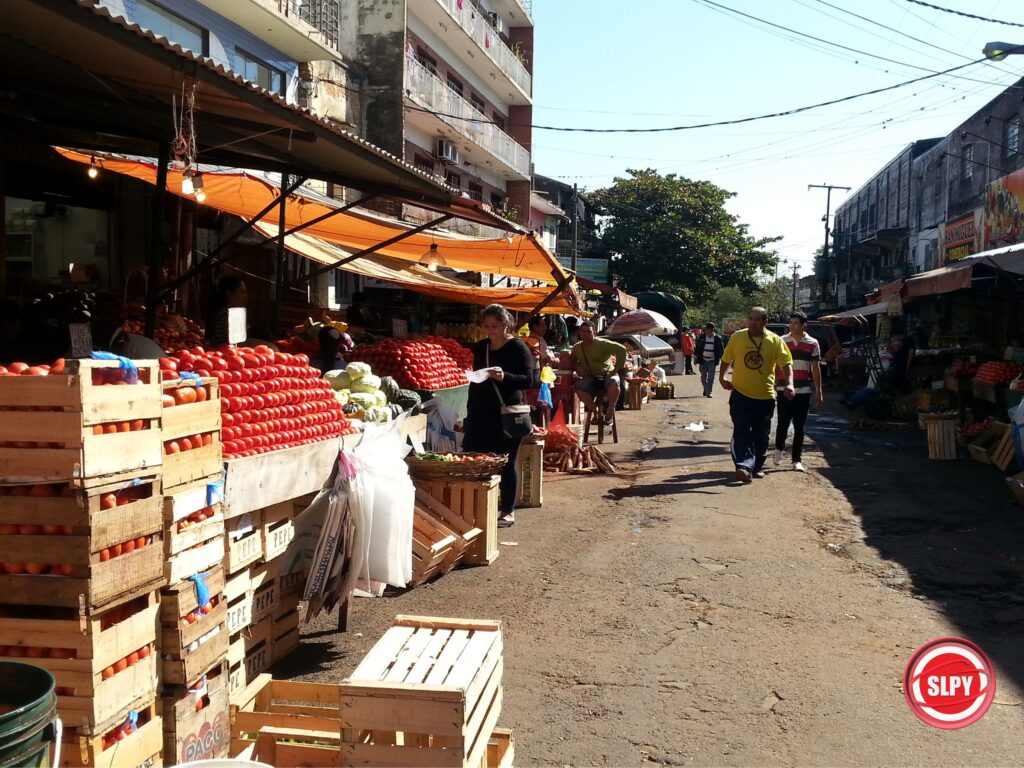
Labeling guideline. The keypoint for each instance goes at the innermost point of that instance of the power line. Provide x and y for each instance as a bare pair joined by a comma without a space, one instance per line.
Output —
965,14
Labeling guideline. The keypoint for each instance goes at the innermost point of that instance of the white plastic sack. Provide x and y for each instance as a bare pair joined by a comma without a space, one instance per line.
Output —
441,436
1016,413
386,496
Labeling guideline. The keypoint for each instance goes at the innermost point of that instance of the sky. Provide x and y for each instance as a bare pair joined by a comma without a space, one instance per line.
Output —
661,63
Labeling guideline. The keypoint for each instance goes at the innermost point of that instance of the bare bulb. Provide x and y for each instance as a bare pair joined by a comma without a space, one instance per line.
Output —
200,196
93,172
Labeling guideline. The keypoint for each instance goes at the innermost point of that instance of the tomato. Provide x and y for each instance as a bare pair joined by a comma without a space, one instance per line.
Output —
168,364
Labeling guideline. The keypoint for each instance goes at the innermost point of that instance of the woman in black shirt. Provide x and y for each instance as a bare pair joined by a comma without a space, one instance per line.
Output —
512,370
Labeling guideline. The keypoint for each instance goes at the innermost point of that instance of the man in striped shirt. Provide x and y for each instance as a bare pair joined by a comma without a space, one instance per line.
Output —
806,384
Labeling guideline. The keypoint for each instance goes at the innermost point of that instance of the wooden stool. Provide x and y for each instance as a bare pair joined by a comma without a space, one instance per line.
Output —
597,417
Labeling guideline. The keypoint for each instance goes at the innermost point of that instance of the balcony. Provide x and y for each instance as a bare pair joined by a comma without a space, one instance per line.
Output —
468,32
280,24
425,90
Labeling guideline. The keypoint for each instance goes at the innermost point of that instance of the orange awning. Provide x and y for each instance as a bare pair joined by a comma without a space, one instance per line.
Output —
422,280
245,194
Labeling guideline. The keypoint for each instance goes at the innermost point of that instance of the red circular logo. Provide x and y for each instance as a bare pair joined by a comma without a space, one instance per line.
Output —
949,683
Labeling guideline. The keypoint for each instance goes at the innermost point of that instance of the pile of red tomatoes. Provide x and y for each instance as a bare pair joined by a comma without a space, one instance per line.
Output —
268,400
428,364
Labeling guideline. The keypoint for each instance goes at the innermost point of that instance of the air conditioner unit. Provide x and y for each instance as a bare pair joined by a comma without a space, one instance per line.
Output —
446,152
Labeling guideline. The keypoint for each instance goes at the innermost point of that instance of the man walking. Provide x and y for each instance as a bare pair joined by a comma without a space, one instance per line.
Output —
687,345
754,353
709,350
806,384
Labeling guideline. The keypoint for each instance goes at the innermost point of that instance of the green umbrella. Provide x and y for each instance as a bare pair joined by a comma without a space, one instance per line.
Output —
667,304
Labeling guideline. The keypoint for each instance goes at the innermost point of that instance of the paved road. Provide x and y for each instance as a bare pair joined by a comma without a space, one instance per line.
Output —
672,616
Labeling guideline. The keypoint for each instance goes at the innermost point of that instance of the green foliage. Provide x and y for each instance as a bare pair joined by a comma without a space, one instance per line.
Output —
670,233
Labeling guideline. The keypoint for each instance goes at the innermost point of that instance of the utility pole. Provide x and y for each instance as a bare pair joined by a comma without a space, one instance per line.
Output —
795,271
575,227
828,212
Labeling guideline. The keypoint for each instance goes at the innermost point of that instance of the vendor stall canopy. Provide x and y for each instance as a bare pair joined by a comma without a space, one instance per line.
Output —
420,279
245,194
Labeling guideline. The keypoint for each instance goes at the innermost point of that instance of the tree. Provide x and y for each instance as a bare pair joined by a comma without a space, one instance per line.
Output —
669,233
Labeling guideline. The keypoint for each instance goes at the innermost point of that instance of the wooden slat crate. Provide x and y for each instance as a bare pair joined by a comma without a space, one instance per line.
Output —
255,662
468,532
239,615
263,586
184,664
248,639
85,656
428,693
243,541
203,734
501,750
530,470
192,465
1003,454
285,628
85,543
278,529
135,749
193,546
93,429
476,502
435,547
982,446
267,702
195,418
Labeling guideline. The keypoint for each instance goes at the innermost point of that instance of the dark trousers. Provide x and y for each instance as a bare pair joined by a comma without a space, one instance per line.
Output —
707,375
751,430
494,441
689,364
792,412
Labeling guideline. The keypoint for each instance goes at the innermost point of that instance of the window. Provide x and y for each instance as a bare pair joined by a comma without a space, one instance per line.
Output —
424,163
160,21
478,104
475,191
497,201
258,72
455,84
967,163
424,58
453,180
1011,139
499,121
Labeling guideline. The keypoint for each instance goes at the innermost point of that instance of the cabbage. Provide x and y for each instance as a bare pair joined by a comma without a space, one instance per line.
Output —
339,379
382,399
341,396
358,370
368,383
378,414
363,399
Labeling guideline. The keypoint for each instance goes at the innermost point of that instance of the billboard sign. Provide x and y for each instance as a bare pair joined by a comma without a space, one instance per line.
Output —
1004,219
961,237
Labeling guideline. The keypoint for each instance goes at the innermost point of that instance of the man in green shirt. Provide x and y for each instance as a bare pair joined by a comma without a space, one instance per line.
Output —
597,361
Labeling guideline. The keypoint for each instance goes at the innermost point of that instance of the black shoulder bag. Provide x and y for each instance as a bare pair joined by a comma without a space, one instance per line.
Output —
515,419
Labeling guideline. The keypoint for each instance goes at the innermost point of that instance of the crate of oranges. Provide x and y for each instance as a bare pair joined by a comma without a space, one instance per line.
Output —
105,665
194,637
136,741
82,548
191,431
81,421
194,536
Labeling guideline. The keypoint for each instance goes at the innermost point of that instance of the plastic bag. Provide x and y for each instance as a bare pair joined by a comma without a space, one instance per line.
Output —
441,419
1016,413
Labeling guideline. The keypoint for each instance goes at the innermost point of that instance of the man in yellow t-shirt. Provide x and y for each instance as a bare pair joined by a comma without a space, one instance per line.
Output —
754,353
597,362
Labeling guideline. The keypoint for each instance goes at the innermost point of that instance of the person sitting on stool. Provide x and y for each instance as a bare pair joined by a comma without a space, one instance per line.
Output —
597,361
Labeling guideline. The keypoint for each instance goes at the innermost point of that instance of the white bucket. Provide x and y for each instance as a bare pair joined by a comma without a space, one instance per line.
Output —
225,762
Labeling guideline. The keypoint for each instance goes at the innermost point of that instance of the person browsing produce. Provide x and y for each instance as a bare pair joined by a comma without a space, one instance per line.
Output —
510,368
597,361
754,353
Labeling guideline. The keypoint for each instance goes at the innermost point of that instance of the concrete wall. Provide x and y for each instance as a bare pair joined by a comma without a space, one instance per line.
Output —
380,46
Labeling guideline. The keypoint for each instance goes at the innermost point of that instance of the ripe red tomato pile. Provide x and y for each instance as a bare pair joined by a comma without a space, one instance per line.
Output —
998,373
432,363
269,400
187,334
965,370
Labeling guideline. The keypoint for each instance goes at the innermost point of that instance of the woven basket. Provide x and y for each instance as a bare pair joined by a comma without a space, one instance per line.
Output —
440,470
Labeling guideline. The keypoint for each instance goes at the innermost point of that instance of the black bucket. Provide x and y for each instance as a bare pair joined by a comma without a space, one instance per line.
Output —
28,715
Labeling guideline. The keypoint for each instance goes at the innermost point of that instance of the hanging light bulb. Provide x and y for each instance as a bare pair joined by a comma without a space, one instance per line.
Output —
432,259
197,184
94,170
187,187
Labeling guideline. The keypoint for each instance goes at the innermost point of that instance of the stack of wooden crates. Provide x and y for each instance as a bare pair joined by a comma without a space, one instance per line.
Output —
86,507
193,609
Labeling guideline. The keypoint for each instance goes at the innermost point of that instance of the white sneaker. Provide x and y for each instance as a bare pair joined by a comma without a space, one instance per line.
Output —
798,466
777,457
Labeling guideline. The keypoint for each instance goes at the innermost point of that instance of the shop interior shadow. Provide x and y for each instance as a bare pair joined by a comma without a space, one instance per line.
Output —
953,526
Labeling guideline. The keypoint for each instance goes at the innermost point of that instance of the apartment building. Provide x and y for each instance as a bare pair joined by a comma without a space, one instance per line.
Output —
450,90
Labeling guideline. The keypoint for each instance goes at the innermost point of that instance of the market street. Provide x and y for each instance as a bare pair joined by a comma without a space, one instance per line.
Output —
674,616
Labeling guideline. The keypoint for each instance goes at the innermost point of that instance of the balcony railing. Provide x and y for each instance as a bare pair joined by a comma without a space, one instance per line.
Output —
427,90
486,37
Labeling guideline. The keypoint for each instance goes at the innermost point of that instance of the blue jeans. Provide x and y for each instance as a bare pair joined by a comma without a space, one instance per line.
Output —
707,375
751,430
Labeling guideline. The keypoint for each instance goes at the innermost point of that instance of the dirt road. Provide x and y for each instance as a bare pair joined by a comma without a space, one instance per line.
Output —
674,616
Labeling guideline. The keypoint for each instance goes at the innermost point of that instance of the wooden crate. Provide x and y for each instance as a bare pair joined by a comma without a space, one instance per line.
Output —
270,703
285,629
194,418
436,548
263,586
941,437
90,644
197,735
191,466
982,445
248,639
428,693
239,615
199,546
501,750
243,541
68,409
530,470
255,662
80,750
637,394
89,582
183,664
278,530
476,502
467,531
1003,453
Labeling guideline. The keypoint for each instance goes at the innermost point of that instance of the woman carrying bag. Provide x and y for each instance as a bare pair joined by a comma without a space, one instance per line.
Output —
497,419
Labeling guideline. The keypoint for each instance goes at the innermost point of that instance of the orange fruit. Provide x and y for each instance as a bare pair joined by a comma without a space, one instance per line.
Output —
108,673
